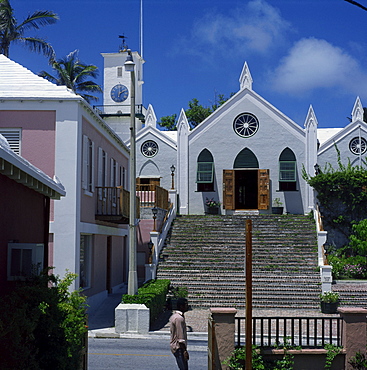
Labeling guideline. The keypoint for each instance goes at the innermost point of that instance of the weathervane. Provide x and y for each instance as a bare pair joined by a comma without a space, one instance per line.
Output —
123,46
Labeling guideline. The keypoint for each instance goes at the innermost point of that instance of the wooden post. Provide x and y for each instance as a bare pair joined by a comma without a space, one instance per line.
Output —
248,294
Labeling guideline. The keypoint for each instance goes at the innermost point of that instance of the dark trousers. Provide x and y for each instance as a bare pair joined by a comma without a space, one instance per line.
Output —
182,363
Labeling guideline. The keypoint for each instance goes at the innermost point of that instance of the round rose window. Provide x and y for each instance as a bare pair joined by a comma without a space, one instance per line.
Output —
246,125
149,148
358,145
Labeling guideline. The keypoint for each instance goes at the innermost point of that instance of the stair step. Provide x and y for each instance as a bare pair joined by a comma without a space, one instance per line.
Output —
206,254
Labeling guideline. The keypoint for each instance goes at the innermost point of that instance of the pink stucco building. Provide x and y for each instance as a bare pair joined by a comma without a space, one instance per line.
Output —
25,203
58,132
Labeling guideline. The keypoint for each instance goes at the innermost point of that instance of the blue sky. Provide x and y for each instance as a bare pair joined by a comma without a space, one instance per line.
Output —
299,52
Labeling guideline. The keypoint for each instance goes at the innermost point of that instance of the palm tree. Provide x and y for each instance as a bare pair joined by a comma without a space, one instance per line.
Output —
72,73
357,4
11,31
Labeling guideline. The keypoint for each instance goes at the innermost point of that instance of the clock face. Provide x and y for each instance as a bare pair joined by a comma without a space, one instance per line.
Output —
119,93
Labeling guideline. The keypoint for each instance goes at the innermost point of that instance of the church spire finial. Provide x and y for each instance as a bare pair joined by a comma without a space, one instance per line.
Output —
357,112
246,78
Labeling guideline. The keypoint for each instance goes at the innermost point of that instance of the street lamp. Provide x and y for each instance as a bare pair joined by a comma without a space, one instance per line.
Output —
150,246
317,169
154,211
132,286
173,175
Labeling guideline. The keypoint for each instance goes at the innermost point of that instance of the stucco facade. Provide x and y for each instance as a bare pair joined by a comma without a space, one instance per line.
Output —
25,203
277,145
62,135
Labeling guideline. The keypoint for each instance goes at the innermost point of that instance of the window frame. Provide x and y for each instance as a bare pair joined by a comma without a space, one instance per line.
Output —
16,142
288,184
88,166
294,171
198,172
362,149
37,259
88,249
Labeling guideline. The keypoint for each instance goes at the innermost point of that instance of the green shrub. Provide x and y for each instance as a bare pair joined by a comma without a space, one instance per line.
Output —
359,361
152,294
42,325
237,360
348,267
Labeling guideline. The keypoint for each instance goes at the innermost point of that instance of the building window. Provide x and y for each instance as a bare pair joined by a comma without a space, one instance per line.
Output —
245,125
246,159
205,171
122,176
287,171
102,172
24,259
85,261
13,137
88,164
358,146
119,71
149,148
113,173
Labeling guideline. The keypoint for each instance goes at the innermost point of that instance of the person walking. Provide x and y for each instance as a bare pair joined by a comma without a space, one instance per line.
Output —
178,331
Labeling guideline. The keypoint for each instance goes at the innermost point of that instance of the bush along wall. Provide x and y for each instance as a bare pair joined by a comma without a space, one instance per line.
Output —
342,195
152,294
42,324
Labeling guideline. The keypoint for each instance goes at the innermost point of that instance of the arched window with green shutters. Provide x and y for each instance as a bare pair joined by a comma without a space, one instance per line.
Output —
246,159
287,171
205,171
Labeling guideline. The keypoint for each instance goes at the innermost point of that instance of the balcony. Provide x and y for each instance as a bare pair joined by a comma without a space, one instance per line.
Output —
119,110
152,195
113,204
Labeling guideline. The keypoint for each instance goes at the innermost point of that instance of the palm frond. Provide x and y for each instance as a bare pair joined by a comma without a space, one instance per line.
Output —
38,45
72,73
38,19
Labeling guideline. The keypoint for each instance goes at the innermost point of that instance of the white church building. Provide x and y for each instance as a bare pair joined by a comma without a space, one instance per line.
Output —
244,155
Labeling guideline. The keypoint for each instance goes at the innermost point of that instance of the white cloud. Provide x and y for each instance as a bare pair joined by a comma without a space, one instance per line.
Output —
313,64
255,27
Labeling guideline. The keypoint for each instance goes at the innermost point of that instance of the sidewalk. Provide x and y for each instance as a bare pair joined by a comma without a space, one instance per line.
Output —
101,322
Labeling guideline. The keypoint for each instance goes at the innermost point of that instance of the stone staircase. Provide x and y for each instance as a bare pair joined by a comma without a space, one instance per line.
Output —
206,254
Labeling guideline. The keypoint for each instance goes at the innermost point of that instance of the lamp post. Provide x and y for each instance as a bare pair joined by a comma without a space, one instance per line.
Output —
154,211
150,246
132,287
173,176
317,169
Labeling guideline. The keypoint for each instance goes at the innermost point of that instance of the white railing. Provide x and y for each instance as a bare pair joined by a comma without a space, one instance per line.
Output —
158,237
325,269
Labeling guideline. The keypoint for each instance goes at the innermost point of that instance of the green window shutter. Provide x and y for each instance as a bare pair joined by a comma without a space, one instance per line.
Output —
287,171
205,172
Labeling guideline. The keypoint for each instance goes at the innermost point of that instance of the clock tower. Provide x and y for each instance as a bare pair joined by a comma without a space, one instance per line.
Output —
116,93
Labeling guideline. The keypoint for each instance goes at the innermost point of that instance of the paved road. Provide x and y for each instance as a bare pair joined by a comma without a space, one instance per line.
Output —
141,354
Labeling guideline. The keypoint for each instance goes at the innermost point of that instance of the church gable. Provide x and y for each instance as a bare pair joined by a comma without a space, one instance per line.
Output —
247,116
351,141
246,101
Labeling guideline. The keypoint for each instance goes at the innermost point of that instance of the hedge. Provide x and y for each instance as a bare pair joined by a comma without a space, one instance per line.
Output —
152,294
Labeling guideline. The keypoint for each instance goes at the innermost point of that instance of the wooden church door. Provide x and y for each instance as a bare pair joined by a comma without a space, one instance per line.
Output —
228,189
233,197
263,189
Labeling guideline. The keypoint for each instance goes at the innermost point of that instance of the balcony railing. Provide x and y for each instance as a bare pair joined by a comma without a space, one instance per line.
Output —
306,332
113,204
118,110
152,195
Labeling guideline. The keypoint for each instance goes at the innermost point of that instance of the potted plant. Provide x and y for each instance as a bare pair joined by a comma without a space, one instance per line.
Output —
329,302
277,207
212,206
